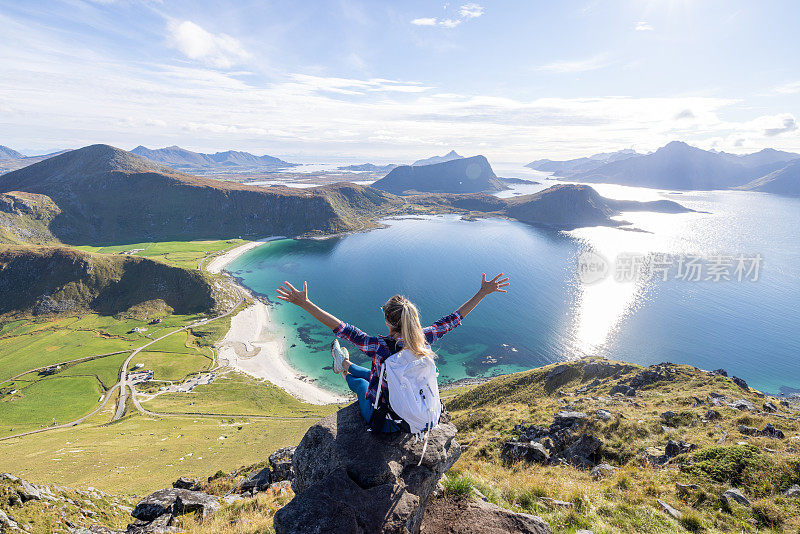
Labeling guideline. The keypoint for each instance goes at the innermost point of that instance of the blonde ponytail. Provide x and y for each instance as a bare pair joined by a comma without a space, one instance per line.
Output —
403,318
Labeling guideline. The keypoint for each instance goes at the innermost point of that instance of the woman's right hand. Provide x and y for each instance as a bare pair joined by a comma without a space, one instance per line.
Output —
289,293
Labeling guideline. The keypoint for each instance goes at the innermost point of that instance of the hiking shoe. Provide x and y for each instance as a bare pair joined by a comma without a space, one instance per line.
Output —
339,354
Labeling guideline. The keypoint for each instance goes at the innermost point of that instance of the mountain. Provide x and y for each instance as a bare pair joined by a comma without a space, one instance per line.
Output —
767,156
12,164
450,156
463,175
368,167
570,206
60,279
785,181
674,166
182,159
108,195
8,153
567,167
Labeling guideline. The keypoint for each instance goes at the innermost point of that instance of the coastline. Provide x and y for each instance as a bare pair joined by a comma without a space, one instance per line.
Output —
254,345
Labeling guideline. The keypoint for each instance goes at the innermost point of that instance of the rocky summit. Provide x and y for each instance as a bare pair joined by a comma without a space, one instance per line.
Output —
350,481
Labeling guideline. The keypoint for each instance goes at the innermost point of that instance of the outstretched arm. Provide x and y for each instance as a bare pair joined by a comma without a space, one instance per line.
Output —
298,297
496,284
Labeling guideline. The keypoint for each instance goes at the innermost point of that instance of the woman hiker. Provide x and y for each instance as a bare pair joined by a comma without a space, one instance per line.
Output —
405,331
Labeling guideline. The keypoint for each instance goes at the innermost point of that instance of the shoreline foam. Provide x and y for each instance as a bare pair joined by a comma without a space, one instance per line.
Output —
256,347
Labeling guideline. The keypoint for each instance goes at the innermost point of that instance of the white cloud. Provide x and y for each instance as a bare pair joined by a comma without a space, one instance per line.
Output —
581,65
788,88
424,21
471,11
465,12
643,26
778,124
217,50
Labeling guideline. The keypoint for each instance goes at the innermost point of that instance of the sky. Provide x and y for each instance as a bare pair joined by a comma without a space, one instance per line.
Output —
394,80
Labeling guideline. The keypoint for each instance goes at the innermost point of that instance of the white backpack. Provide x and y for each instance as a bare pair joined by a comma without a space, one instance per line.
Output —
413,391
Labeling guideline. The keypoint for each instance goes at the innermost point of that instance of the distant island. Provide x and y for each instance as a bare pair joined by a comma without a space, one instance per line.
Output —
462,175
228,161
680,166
368,167
450,156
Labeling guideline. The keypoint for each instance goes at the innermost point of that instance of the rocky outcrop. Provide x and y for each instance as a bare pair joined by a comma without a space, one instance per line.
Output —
157,511
349,480
563,442
462,516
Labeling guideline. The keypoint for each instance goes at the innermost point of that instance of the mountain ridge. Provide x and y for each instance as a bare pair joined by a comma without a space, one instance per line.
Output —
462,175
183,159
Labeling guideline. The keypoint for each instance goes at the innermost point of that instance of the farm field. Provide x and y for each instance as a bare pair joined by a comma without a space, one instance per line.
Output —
186,254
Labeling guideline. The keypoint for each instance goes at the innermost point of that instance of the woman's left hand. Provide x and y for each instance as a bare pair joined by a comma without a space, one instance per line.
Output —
496,284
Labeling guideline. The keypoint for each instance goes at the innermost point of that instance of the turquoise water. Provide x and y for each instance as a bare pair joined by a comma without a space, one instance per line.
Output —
750,328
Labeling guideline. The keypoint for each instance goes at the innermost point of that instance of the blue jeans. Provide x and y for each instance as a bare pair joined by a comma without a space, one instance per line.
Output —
358,382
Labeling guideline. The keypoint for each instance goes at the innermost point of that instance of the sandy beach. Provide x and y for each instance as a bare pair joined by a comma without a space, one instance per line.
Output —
218,263
255,346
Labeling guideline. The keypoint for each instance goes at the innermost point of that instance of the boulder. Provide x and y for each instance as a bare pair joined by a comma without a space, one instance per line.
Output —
514,451
281,463
740,382
734,494
719,372
793,491
349,480
601,470
566,418
669,509
255,481
582,452
771,432
603,415
28,492
748,430
676,447
195,501
186,483
742,404
463,516
769,407
158,525
174,501
622,389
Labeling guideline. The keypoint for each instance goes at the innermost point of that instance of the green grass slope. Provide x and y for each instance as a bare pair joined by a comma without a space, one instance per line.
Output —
635,433
25,218
46,280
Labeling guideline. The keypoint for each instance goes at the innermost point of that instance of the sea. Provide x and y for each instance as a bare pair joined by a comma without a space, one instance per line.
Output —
718,287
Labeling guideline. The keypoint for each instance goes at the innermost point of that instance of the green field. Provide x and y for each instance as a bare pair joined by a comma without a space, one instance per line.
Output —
186,254
139,454
172,366
236,393
41,403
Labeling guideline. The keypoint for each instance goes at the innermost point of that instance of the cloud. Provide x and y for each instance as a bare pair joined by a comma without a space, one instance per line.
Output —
643,26
789,124
684,114
470,11
581,65
424,21
465,12
217,50
788,88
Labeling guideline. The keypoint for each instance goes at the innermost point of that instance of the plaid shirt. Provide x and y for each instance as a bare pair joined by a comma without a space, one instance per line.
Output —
377,349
